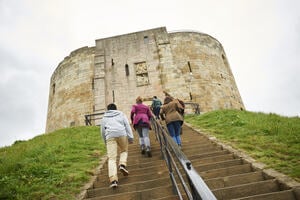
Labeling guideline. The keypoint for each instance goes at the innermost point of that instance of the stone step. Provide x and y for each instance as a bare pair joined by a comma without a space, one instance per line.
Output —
160,168
201,145
212,159
233,170
134,148
239,191
280,195
152,193
103,181
131,186
206,154
228,176
218,165
200,150
146,163
233,180
196,141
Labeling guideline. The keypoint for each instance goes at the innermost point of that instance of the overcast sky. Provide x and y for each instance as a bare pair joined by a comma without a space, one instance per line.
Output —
261,39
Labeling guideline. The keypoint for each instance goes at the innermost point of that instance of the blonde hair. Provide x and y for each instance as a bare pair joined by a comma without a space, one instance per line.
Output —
139,99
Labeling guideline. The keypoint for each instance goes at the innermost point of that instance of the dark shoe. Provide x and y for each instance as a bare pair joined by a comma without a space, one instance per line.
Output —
113,184
143,149
148,152
123,170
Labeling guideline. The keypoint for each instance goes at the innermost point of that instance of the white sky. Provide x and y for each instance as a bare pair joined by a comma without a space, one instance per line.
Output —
261,39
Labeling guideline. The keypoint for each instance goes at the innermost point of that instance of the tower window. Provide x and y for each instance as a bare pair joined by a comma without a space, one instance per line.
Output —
189,64
146,40
127,70
53,88
141,73
113,96
225,60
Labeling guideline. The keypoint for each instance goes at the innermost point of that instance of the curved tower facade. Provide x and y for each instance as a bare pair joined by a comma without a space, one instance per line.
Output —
71,95
188,65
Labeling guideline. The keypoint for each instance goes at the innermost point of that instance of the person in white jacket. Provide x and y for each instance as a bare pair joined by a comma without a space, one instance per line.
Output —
116,132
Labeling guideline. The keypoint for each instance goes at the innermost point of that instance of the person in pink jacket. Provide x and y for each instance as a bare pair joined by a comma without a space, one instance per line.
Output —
140,118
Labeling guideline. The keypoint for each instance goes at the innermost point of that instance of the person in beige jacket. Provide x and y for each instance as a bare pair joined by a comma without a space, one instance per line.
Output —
170,112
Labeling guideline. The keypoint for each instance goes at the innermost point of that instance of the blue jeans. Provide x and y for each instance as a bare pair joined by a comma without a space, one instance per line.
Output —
174,129
156,111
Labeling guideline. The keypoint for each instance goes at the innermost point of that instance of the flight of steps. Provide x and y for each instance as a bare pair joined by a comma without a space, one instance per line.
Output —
227,175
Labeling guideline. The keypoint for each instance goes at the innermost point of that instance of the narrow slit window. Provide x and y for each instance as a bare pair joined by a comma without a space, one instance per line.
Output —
53,88
112,62
127,70
225,60
189,64
113,96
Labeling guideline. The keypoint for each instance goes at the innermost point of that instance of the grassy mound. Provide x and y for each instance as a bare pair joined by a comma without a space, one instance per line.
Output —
50,166
269,138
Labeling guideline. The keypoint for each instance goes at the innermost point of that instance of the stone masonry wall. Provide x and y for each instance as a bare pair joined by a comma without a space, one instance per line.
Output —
205,71
131,67
71,94
191,66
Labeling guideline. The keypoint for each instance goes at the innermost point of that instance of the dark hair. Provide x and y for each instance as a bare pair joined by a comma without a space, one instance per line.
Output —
112,106
155,97
168,99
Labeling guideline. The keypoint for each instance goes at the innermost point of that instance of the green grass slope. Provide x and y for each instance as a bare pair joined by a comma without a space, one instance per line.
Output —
57,165
50,166
269,138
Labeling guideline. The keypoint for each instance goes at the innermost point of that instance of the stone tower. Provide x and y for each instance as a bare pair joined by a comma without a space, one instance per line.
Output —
188,65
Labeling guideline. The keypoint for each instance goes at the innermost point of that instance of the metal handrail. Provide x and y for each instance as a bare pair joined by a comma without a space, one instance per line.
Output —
169,149
195,106
92,117
171,153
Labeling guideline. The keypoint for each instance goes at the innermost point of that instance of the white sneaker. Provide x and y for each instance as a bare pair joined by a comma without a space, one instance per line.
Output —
123,169
114,184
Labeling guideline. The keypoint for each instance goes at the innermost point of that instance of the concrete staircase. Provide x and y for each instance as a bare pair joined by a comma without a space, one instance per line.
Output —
227,175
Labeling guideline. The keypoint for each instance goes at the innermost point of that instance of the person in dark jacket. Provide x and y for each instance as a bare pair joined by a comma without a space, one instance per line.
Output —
116,133
140,118
156,104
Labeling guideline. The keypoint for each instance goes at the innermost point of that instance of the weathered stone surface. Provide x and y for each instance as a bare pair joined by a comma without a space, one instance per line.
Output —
146,63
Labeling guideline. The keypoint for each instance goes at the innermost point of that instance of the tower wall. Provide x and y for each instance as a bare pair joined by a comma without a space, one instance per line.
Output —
207,78
191,66
130,67
71,93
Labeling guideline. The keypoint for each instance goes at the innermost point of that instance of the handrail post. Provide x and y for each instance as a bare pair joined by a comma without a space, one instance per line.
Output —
88,118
